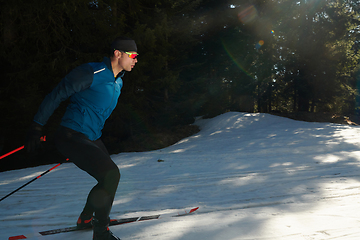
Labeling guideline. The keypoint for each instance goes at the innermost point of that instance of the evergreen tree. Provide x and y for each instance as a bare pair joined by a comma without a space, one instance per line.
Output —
164,32
41,42
316,40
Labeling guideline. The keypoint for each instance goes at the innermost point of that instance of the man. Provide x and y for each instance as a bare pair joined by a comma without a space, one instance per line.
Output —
94,89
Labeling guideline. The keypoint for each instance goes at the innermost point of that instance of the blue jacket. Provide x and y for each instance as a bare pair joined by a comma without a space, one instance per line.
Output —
93,92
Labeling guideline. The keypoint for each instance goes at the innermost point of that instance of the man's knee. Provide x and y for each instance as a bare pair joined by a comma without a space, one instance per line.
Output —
111,179
115,175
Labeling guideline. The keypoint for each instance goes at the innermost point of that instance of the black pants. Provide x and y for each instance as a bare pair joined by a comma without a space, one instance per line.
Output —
93,158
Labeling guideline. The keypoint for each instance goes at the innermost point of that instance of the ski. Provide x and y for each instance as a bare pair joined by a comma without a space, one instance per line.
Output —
113,222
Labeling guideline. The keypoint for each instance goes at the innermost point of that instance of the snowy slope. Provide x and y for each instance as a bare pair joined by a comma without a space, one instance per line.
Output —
254,176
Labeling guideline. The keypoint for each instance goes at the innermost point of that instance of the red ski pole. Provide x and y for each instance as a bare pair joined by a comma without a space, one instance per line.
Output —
18,149
13,151
32,180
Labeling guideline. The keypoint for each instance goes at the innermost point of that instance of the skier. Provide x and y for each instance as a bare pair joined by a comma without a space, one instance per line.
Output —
94,89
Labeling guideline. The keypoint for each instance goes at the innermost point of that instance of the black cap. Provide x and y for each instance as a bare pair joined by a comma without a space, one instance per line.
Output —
124,44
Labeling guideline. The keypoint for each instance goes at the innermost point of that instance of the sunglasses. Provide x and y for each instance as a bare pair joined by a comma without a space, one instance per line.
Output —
132,55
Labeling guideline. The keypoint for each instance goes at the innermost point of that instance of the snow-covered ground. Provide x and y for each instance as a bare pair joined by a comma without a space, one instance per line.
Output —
254,176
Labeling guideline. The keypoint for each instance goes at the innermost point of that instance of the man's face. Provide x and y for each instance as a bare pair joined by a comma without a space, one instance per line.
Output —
126,62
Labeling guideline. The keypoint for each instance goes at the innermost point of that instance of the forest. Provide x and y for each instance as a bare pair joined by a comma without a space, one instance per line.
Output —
196,58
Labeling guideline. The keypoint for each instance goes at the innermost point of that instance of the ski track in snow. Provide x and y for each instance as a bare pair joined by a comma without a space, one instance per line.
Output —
254,176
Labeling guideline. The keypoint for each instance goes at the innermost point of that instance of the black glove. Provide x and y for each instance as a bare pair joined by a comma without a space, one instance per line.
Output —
32,141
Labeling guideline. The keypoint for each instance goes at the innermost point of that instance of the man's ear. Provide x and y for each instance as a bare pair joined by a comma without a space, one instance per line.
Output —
117,54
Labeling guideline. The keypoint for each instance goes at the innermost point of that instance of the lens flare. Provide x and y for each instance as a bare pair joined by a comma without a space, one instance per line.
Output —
272,31
237,62
247,15
259,44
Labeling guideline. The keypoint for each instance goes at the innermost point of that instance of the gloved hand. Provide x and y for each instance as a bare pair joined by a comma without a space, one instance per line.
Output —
32,141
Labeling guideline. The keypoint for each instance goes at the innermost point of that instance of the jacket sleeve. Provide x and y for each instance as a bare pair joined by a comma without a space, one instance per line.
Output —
77,80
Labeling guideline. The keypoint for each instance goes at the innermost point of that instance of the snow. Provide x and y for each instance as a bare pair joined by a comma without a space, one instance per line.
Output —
254,176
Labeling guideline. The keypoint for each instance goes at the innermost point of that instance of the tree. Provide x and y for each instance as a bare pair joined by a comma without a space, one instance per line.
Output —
316,38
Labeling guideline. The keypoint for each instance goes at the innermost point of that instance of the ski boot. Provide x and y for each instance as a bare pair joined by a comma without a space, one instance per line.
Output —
102,231
84,221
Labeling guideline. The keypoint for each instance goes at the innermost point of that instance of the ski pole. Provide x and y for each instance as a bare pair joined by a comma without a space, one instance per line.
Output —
32,180
43,139
13,151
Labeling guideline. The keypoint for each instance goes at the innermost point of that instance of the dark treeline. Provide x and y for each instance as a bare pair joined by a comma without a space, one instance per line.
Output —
197,58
